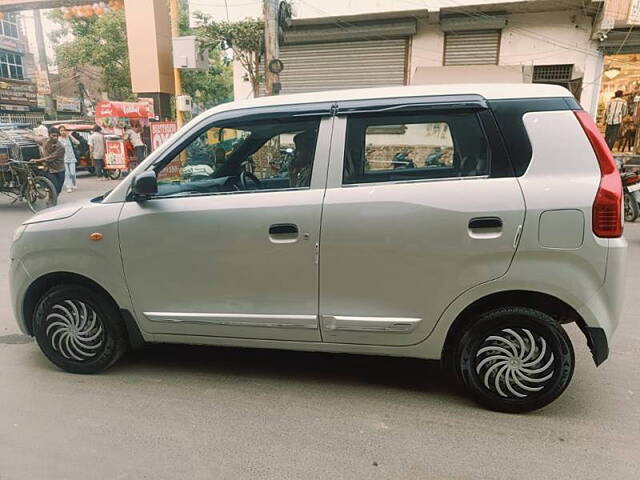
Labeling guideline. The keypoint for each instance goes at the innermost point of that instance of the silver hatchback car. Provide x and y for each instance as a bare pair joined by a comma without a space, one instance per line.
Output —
463,223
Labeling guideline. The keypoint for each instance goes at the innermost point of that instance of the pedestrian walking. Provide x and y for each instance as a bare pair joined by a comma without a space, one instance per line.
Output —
97,150
68,141
53,159
627,135
616,111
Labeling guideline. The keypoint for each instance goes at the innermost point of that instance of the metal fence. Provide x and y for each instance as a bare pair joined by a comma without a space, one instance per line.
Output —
32,118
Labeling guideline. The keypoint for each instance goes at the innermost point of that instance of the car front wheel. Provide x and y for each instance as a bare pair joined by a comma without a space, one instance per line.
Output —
78,329
515,359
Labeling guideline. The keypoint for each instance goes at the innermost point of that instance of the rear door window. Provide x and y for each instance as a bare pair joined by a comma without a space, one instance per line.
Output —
390,148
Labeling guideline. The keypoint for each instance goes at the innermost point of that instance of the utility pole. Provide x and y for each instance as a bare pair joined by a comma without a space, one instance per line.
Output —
271,47
81,93
43,65
177,79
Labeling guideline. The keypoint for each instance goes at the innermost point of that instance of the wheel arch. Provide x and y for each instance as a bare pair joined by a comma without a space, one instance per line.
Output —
561,311
42,284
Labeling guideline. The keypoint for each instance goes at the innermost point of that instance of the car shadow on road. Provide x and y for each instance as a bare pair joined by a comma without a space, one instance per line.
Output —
416,375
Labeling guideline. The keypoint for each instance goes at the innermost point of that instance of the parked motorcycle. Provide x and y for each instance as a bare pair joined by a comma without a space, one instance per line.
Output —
630,184
402,160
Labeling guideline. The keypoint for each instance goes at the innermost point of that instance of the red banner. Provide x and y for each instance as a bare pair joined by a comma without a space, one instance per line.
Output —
123,110
161,132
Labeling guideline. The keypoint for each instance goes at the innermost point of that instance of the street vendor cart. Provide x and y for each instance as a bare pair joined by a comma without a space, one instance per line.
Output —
115,118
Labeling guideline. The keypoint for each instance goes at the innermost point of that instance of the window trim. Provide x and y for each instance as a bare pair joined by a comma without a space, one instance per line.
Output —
416,180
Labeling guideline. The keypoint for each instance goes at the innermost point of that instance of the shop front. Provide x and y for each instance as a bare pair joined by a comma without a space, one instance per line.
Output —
621,73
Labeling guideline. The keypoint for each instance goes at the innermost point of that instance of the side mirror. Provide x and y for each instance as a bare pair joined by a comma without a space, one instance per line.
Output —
145,185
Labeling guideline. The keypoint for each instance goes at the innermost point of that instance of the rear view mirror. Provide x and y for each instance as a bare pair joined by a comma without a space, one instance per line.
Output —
145,185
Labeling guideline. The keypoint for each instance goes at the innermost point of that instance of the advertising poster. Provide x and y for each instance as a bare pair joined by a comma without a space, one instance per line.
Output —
115,156
160,133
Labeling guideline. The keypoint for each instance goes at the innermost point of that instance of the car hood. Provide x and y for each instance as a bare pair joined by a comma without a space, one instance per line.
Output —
55,213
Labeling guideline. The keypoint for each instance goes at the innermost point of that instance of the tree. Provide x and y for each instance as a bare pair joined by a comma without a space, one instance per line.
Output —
98,41
245,38
214,85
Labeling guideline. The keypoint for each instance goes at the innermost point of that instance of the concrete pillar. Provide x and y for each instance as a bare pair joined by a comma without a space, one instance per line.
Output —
150,51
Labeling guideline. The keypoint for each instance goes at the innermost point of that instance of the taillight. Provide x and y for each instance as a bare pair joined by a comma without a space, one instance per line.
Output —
631,180
607,207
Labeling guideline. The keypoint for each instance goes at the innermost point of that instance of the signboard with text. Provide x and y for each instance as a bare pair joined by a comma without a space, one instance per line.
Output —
18,93
161,132
69,104
115,155
7,43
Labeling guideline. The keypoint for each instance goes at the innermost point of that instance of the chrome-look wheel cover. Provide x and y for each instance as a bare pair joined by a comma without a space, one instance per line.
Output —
514,363
74,330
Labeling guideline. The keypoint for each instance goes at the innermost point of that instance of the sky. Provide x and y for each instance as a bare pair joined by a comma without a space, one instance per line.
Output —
47,26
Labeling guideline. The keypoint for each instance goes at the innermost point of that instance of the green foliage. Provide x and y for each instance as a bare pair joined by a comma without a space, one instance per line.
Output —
213,86
244,38
98,42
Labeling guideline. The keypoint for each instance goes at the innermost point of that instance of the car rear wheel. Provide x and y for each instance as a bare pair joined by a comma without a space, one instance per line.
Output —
78,329
515,359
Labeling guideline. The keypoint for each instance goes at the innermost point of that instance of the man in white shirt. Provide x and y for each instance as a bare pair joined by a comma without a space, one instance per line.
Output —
41,131
97,150
134,135
616,111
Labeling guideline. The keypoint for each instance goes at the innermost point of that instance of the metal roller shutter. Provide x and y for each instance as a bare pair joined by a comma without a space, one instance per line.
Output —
474,47
339,65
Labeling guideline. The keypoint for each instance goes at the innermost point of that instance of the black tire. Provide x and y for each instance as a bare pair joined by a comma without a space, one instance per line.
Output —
71,336
487,372
114,174
91,170
631,210
42,195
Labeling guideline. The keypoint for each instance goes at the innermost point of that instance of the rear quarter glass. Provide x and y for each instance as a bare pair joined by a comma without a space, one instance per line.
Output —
509,114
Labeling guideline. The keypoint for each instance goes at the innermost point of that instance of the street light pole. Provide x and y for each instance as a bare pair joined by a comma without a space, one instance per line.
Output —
43,65
177,78
271,48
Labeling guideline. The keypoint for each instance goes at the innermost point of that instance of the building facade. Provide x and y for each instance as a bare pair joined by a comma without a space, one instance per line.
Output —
366,43
18,90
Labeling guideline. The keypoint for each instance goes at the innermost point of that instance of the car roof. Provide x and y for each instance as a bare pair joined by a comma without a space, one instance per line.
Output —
495,91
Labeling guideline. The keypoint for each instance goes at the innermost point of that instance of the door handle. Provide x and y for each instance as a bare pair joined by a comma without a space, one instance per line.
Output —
485,222
283,229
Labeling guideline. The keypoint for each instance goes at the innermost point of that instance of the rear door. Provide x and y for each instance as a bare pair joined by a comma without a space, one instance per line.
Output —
421,205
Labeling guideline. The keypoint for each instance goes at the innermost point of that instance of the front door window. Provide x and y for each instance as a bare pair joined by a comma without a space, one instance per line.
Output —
261,156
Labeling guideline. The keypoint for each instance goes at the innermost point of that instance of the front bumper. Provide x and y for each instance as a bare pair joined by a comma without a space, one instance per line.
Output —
19,281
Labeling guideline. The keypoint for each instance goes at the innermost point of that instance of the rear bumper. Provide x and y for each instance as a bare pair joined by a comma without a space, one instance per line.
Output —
602,312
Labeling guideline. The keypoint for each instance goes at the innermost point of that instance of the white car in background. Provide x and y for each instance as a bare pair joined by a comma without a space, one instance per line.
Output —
477,260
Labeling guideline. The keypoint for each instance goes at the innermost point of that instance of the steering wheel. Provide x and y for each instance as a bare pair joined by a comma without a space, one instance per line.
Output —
243,180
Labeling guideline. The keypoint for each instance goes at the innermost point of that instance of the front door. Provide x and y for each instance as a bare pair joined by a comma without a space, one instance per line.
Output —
228,247
418,209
